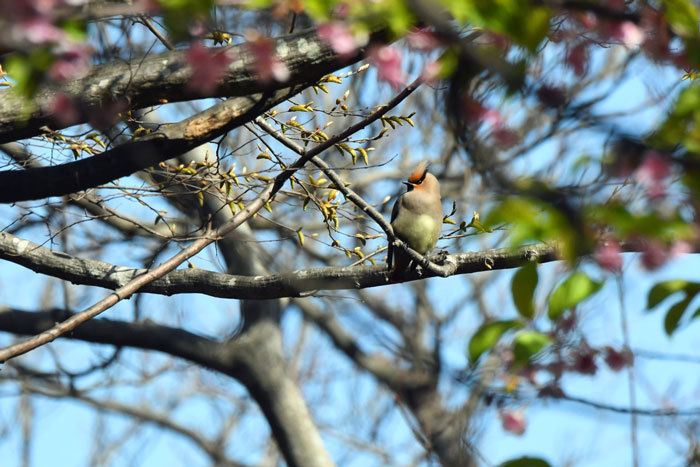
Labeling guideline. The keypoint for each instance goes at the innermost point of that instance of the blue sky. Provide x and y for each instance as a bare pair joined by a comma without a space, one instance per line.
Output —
557,431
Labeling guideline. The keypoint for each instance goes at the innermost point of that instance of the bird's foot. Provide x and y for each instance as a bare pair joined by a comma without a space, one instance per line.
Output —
440,257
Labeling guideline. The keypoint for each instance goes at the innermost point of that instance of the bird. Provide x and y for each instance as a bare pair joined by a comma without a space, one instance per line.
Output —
416,217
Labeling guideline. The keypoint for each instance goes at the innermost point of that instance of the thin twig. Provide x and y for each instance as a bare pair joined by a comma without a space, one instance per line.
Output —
630,372
138,282
446,270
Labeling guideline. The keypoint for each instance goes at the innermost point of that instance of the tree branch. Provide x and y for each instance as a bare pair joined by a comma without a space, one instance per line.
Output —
144,335
292,284
168,142
138,282
158,78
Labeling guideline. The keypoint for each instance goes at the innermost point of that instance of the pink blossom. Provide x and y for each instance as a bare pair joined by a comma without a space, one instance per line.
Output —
607,255
431,72
651,174
340,38
197,28
38,30
267,65
208,66
422,39
589,20
388,62
654,255
680,248
64,109
46,6
513,421
73,61
577,59
629,34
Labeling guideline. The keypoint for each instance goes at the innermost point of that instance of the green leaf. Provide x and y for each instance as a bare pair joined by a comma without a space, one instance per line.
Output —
682,15
527,344
534,220
674,314
525,462
523,289
666,226
521,20
487,336
571,292
663,290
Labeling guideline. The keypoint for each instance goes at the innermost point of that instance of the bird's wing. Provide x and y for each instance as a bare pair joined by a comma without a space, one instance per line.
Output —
390,253
395,210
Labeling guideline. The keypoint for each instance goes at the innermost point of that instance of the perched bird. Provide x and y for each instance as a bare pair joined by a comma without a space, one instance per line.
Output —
417,216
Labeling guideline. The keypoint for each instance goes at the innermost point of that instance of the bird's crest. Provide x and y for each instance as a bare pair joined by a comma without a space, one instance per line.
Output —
418,175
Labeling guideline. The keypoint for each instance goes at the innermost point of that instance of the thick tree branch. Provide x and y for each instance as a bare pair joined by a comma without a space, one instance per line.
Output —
153,79
293,284
138,282
125,224
447,269
145,335
168,142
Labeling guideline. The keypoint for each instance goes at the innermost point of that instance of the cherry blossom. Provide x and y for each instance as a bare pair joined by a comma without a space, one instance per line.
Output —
73,62
513,421
504,136
267,66
607,255
629,34
388,62
653,254
680,248
431,72
589,20
341,39
64,109
207,65
422,39
38,30
651,174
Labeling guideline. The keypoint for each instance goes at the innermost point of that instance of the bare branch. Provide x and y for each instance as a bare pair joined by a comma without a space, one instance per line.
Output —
158,78
292,284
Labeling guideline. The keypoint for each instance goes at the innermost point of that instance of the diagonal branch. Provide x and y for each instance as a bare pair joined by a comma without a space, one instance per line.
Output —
446,270
195,247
